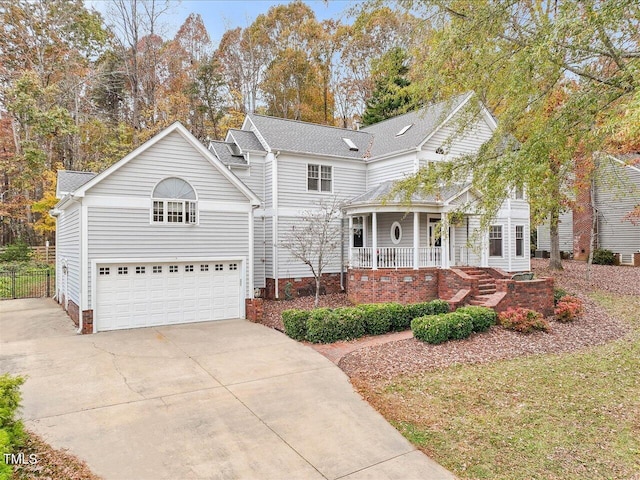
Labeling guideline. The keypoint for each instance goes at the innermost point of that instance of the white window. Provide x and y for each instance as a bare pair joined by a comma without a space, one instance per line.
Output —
188,268
174,201
104,271
233,266
123,270
495,241
519,240
518,193
140,270
204,268
319,178
396,233
218,267
157,269
173,268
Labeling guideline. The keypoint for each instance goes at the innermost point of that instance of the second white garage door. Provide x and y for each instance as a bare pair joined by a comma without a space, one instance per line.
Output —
131,295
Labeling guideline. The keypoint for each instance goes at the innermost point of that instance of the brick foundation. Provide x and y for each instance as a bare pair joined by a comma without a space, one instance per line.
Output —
254,309
302,287
404,285
533,294
73,311
87,321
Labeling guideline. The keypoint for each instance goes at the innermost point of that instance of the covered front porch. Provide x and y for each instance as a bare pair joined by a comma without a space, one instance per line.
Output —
418,239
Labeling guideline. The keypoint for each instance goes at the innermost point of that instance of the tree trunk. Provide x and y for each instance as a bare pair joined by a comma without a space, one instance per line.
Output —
317,300
555,262
594,226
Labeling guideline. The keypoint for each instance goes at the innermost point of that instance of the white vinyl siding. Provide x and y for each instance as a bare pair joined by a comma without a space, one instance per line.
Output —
618,194
565,231
126,233
456,144
259,252
348,180
268,247
389,169
173,156
68,250
290,267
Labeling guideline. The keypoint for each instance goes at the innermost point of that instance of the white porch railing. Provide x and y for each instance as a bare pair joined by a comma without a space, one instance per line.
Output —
430,256
395,257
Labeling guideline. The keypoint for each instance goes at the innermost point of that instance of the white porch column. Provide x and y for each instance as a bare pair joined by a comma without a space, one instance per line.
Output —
374,241
444,235
350,240
416,240
484,256
365,221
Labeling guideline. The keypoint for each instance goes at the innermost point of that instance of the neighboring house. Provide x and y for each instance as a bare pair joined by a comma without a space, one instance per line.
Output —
176,232
616,193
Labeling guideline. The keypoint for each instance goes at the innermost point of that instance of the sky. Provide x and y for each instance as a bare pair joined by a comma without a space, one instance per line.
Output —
222,15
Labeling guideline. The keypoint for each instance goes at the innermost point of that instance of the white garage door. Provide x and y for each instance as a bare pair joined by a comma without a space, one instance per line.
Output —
147,294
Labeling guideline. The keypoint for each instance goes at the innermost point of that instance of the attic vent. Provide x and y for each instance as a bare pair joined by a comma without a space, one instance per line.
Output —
352,146
404,130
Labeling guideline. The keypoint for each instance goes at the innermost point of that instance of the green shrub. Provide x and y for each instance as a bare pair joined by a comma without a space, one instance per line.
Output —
399,316
18,251
295,323
602,256
483,317
328,326
460,325
523,320
433,307
558,293
431,328
375,317
442,327
11,430
351,321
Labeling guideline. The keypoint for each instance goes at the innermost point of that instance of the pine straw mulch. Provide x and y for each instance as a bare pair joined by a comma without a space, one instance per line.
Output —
379,364
51,464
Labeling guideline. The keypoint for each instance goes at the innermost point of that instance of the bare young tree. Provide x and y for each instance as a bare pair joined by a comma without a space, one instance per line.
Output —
316,239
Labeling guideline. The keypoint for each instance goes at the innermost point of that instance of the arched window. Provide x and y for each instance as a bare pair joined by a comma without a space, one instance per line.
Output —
174,201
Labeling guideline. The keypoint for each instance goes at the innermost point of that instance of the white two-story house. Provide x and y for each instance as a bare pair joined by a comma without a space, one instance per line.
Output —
181,232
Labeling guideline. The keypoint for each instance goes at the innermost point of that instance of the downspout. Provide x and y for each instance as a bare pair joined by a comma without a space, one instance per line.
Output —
342,254
274,193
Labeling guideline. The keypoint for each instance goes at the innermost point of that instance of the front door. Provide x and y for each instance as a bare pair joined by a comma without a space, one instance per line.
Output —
435,235
357,232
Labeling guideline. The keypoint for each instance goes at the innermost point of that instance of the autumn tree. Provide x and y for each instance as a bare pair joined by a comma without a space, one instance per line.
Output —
556,74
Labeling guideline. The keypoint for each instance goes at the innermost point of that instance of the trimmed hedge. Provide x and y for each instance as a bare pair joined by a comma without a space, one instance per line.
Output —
295,323
325,325
439,328
483,317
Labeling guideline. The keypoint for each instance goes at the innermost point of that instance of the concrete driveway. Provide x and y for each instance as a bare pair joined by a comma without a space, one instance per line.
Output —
224,400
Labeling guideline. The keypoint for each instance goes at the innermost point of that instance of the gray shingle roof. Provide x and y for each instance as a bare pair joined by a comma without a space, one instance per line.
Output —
295,136
423,122
380,194
69,181
246,140
222,150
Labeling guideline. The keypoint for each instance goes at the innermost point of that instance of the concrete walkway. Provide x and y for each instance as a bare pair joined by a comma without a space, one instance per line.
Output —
220,400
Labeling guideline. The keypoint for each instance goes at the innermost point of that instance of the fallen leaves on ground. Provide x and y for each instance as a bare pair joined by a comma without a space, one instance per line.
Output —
50,464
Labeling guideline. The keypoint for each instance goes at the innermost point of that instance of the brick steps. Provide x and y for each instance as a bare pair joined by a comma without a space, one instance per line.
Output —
486,287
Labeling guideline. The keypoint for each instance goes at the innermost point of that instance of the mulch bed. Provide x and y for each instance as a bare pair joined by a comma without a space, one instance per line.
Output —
50,464
595,327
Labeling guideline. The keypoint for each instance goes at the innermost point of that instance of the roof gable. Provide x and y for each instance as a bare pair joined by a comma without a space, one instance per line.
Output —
194,142
68,181
412,129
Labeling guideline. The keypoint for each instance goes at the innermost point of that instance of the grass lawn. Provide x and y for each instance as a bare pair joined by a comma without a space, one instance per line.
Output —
570,416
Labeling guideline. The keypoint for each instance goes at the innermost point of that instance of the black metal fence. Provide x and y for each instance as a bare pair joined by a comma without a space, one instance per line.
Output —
31,283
